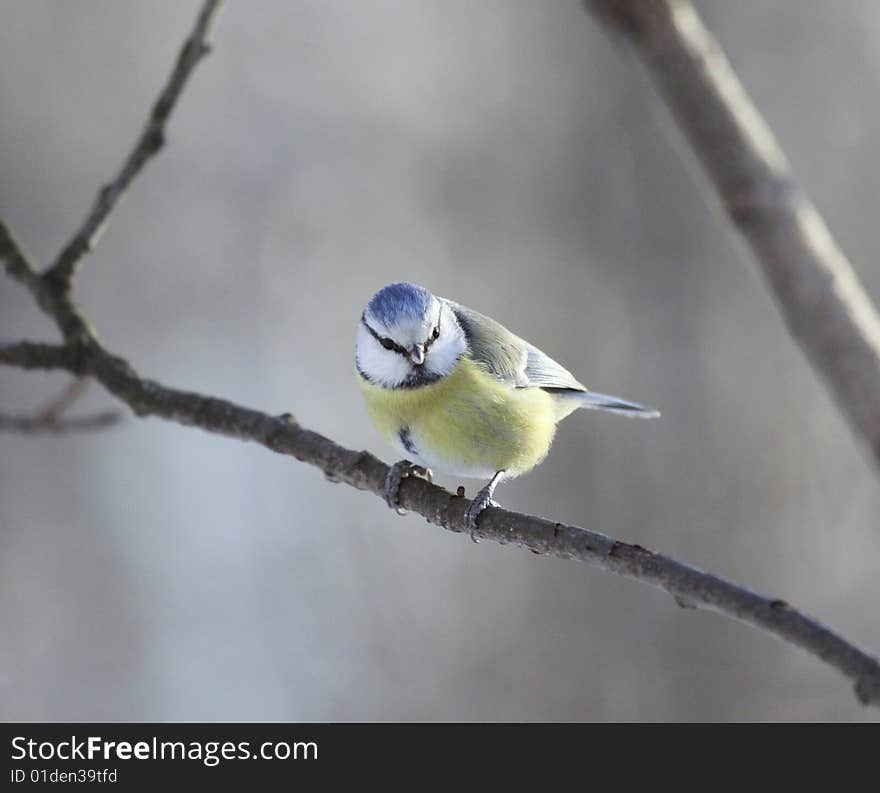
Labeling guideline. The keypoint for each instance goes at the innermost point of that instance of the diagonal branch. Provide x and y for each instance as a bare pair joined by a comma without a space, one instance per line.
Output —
52,287
440,507
63,402
83,354
148,144
824,306
17,263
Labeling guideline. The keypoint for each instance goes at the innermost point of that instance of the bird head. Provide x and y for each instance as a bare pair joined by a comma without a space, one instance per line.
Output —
407,337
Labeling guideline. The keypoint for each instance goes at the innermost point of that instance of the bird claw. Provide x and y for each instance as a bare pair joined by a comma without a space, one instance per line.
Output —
482,501
396,474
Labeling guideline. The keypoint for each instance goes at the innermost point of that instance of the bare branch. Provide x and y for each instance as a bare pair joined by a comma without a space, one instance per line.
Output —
52,296
32,355
148,144
37,425
84,354
17,263
59,404
51,419
363,471
825,307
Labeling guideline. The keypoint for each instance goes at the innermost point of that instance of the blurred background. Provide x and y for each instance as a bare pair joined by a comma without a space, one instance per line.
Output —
502,153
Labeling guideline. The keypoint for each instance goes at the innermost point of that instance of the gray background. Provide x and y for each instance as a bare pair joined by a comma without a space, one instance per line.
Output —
501,153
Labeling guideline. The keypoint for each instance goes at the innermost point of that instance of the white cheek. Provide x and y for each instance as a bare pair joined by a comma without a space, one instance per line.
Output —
381,366
447,349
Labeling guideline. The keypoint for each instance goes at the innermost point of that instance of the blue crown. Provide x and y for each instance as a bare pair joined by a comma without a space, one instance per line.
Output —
396,302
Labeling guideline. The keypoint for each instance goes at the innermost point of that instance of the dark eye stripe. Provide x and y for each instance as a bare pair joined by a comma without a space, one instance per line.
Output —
388,344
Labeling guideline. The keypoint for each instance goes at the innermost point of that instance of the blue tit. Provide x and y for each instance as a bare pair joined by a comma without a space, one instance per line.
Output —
456,391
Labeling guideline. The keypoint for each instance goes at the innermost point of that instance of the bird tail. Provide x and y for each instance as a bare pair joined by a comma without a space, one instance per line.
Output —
594,401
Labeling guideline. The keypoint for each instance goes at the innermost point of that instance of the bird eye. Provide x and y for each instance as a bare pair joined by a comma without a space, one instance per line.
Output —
436,332
387,344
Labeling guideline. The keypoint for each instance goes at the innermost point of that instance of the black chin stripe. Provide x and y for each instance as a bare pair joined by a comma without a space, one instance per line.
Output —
416,379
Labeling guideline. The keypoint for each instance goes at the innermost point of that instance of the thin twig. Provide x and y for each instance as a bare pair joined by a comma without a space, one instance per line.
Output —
148,144
72,392
37,425
17,264
818,293
50,419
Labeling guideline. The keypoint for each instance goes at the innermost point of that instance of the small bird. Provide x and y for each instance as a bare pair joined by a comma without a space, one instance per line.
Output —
456,391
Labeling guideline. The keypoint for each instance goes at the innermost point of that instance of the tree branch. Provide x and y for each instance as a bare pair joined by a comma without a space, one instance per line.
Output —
38,425
32,355
440,507
148,144
53,296
51,418
17,263
83,354
824,306
61,403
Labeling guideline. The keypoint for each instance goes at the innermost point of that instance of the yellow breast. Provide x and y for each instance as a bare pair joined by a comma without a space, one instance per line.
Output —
468,423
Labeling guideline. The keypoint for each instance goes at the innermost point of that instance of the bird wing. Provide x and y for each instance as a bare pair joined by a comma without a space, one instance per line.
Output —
544,372
508,357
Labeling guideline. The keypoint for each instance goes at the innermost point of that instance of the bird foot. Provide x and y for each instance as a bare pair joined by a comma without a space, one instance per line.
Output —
396,474
482,501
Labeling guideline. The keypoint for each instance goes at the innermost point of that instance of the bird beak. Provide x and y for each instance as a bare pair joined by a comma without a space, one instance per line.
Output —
417,354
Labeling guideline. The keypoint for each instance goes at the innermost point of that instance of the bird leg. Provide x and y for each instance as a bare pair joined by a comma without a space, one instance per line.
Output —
396,474
483,500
